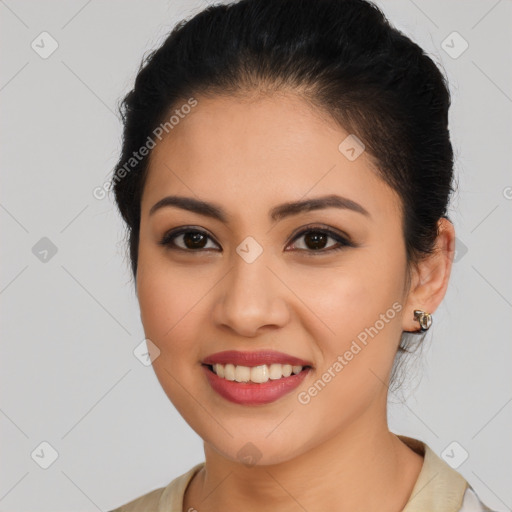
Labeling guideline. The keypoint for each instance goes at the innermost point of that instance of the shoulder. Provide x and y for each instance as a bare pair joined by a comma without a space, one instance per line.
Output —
163,499
439,487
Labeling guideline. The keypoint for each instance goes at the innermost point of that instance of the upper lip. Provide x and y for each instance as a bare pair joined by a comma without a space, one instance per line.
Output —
262,357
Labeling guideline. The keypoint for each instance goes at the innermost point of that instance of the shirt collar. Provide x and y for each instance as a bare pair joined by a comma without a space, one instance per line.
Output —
438,487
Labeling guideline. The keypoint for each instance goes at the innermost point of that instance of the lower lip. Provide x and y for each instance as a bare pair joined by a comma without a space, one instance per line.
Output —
251,393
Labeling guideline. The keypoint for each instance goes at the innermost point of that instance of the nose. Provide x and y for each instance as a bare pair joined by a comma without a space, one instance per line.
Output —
251,299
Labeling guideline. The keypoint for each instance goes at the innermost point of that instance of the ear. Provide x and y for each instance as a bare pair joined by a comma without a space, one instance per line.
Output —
430,277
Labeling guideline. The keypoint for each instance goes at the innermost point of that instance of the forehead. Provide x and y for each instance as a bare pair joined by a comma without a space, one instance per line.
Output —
261,151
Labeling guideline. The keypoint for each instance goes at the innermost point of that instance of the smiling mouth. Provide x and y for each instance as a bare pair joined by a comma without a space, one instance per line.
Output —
255,374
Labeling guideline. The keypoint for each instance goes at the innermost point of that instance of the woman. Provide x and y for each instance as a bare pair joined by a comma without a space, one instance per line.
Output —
285,176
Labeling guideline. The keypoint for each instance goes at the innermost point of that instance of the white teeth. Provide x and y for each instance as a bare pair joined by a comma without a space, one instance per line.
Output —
258,374
242,373
219,370
275,371
287,370
229,371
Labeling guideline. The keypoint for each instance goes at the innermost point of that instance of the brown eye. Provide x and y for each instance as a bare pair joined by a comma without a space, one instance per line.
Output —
316,240
194,240
186,239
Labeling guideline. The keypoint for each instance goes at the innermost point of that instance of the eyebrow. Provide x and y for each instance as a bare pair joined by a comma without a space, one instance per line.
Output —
277,213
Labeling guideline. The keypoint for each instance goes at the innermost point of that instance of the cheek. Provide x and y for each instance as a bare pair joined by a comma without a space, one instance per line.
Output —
172,314
169,298
360,307
353,298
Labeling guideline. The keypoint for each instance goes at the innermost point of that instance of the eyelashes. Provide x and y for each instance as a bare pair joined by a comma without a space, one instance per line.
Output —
311,234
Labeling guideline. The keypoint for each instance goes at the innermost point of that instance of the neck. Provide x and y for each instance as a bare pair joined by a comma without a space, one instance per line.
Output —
364,467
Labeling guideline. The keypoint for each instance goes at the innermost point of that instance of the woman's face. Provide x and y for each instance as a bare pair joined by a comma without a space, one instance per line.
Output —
253,282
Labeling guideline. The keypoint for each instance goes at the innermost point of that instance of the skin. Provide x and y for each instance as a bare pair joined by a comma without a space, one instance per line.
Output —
249,155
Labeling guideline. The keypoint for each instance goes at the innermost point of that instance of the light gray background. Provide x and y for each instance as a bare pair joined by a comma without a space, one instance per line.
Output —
68,374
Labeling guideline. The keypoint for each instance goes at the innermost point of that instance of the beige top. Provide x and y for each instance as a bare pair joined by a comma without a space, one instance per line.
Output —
439,488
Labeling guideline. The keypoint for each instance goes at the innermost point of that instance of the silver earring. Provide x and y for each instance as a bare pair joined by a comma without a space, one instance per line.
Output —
424,318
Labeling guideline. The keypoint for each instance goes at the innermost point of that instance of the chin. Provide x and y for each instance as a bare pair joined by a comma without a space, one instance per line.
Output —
255,451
